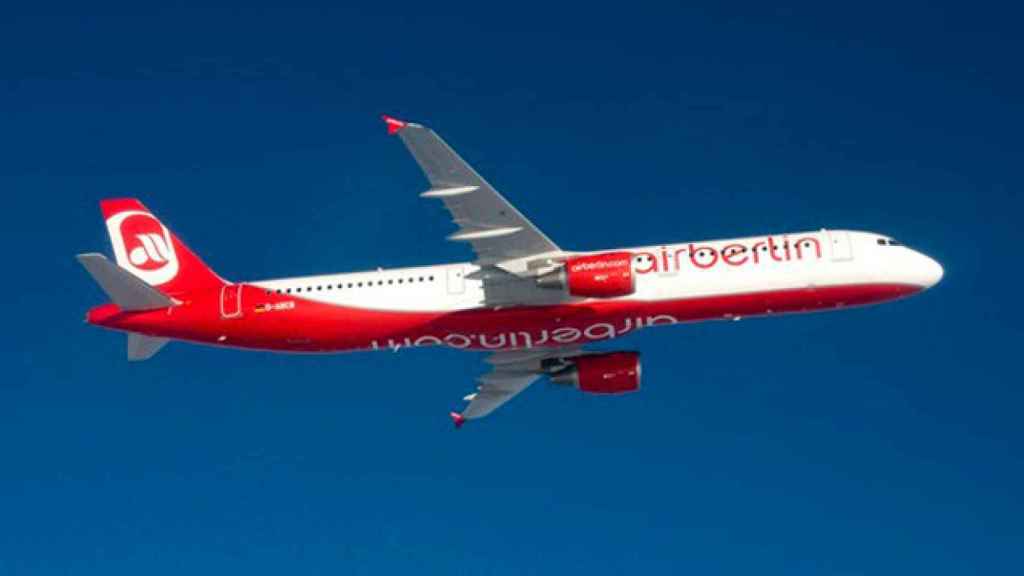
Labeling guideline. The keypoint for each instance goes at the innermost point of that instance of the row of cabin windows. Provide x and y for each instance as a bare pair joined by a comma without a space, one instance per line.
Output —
764,248
342,285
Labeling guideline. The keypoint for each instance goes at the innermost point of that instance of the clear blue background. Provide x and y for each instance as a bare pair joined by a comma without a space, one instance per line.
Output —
884,440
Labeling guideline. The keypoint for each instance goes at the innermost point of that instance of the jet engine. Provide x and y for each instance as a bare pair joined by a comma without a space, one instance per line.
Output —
612,373
594,276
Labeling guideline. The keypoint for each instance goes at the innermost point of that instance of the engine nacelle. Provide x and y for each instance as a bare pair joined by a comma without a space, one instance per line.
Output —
613,373
594,276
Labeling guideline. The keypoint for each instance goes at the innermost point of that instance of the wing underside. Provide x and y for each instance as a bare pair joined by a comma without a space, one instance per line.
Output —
511,373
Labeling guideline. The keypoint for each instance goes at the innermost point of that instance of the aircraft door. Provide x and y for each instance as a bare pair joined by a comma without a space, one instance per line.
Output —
840,246
231,301
456,281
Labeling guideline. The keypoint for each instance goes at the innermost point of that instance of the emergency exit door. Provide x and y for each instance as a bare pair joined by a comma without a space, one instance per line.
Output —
840,245
456,281
231,301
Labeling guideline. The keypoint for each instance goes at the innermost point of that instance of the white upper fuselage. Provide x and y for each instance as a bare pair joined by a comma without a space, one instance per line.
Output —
664,272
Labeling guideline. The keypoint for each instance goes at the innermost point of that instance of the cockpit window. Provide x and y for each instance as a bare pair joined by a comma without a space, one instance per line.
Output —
888,242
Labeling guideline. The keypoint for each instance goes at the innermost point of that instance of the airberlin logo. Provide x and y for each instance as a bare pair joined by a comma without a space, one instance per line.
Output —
152,254
598,265
771,249
142,245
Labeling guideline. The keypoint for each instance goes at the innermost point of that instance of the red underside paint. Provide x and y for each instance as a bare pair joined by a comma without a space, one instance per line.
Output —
308,326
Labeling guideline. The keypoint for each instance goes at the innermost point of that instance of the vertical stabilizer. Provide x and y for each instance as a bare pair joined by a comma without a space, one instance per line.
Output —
147,249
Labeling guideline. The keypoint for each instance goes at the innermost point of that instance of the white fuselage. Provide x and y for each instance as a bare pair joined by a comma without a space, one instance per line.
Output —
664,272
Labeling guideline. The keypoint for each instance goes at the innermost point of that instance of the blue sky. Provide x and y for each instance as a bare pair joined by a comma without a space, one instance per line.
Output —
874,441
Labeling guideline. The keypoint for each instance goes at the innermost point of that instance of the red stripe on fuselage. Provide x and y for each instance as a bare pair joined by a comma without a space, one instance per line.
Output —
269,322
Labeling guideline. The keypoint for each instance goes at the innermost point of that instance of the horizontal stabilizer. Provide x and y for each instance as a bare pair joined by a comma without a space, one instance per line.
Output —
123,288
142,347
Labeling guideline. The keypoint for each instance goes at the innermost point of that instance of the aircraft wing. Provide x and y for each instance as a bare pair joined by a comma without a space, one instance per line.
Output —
511,373
496,230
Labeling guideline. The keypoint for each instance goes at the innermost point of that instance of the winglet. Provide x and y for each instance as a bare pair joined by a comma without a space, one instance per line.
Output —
394,124
458,419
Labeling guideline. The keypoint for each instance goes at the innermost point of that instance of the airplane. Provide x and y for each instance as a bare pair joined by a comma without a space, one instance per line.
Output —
531,305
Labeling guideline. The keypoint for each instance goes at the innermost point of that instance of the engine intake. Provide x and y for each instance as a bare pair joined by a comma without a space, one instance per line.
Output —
613,373
605,275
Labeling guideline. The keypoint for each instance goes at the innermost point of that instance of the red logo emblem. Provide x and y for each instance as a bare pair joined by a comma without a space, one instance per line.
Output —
145,242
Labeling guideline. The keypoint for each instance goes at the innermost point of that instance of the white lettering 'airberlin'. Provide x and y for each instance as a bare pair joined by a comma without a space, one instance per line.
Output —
563,336
155,247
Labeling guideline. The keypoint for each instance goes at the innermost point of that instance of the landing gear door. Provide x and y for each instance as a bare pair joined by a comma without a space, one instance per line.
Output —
231,301
840,245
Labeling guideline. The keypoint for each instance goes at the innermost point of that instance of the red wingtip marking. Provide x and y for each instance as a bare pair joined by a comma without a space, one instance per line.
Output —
458,419
394,124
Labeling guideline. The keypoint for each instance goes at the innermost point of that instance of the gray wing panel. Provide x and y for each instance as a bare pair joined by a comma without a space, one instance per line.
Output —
511,373
495,389
142,347
496,230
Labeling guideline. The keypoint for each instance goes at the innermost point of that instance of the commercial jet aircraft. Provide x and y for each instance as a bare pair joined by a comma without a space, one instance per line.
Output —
532,305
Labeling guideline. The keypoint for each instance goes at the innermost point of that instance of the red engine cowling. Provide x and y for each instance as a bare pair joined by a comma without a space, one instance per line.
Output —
595,276
614,373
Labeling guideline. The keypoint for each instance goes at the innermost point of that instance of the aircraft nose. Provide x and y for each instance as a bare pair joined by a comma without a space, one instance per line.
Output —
931,271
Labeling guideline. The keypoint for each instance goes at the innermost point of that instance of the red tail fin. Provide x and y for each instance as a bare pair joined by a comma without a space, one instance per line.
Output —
147,249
